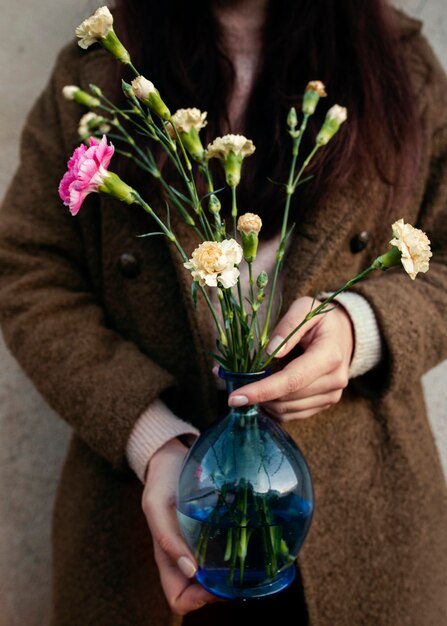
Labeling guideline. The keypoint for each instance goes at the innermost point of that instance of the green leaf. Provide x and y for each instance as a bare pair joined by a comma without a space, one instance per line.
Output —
150,234
180,195
277,183
305,180
168,217
210,193
289,232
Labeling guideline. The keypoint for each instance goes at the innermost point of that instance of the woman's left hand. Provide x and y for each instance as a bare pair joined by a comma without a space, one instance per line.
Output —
314,381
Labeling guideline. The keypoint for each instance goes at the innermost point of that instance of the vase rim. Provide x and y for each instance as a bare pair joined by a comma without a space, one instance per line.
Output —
237,376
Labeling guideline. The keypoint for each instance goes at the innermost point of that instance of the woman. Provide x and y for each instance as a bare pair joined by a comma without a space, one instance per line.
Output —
102,321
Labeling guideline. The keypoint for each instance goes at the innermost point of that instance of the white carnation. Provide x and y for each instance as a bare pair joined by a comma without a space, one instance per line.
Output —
214,263
186,119
414,247
96,27
143,88
237,144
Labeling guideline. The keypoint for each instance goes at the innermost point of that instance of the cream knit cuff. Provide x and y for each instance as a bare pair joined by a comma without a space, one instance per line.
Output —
155,427
368,344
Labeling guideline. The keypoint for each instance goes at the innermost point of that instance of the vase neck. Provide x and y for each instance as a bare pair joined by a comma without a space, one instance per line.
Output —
235,380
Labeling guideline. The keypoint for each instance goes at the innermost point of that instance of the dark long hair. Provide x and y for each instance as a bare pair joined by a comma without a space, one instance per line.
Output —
350,45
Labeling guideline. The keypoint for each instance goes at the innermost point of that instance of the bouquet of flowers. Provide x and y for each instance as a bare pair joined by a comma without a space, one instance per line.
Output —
243,336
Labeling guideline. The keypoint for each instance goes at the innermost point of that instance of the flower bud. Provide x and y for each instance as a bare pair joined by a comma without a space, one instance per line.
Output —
91,123
145,91
128,91
96,91
214,205
262,280
312,94
249,226
73,92
334,119
292,119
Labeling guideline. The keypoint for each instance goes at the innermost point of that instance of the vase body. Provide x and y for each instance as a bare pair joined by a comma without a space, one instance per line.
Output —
245,501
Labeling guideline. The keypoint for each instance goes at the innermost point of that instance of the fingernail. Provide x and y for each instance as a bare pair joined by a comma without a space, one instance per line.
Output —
236,401
186,566
274,343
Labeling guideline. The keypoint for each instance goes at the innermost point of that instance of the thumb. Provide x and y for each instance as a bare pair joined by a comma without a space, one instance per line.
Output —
293,318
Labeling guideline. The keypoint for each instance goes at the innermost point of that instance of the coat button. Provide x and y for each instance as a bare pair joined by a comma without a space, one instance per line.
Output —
129,265
359,241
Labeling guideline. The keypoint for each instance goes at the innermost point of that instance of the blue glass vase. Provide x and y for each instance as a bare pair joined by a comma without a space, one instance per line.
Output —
245,501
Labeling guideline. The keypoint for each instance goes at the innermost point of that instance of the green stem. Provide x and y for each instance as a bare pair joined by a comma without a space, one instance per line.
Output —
281,248
228,330
210,188
320,310
234,210
234,216
133,68
235,330
290,190
189,181
305,164
254,309
173,239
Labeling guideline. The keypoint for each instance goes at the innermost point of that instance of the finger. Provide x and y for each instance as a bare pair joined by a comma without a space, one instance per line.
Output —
334,381
158,504
166,535
182,594
297,375
294,316
283,409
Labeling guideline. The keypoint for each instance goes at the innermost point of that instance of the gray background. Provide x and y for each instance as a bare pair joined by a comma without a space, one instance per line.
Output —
33,439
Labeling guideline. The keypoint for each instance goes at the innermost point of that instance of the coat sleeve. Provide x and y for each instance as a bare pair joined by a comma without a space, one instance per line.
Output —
412,317
51,319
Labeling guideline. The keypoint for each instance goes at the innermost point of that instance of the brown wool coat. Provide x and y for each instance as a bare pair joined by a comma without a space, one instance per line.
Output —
101,340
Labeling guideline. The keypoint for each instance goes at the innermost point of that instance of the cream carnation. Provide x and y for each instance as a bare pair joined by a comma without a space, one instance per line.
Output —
249,223
69,91
96,27
237,144
332,122
143,88
214,263
338,114
146,91
414,247
318,87
187,119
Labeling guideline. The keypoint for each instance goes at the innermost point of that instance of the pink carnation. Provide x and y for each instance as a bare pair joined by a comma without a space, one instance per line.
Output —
87,169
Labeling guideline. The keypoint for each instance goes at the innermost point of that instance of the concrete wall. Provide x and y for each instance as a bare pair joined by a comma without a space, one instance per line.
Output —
33,439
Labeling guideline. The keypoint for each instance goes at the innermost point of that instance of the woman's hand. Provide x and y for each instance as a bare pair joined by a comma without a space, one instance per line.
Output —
315,380
174,560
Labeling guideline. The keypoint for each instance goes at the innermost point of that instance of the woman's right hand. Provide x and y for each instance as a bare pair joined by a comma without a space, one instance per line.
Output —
176,565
